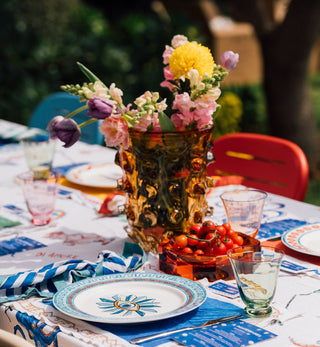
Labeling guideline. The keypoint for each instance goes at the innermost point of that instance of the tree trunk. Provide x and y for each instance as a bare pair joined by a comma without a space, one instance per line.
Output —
286,49
287,92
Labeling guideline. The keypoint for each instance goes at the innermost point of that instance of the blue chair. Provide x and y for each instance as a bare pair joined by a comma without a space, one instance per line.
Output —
63,103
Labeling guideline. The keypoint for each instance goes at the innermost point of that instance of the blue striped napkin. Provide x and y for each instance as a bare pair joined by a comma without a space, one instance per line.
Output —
47,280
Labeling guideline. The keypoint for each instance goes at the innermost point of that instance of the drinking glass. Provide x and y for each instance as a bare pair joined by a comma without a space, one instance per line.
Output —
39,153
40,195
244,209
256,270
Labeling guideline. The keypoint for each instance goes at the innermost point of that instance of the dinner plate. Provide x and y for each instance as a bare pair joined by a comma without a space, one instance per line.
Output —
134,297
97,175
304,239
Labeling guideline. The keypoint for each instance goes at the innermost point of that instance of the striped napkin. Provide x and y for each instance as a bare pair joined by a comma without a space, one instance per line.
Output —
47,280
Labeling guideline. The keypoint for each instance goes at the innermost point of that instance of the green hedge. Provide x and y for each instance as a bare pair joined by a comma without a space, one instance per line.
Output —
44,40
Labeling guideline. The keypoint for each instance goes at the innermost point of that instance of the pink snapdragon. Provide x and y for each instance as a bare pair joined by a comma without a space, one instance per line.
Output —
115,131
185,111
147,122
169,76
178,40
184,104
167,54
199,111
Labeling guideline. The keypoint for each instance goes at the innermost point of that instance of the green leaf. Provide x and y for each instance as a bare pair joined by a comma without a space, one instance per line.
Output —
215,113
166,123
91,76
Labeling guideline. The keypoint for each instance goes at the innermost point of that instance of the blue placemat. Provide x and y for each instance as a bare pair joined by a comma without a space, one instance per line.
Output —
277,228
236,333
210,309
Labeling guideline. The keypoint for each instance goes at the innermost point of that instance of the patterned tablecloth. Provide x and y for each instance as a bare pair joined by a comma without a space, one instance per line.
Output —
78,232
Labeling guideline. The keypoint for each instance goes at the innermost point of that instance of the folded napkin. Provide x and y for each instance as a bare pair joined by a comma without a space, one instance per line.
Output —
210,309
7,223
46,281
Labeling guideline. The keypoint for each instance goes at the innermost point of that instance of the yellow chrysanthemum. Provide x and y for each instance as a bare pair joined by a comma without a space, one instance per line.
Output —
189,56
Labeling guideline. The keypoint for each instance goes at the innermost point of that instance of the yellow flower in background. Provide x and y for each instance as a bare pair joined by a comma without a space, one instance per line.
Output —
189,56
229,116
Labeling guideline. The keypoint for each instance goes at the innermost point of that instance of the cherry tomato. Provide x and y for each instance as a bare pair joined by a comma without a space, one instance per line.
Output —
203,245
199,252
187,250
192,239
221,229
208,225
237,239
220,249
211,236
196,229
181,241
228,243
231,233
208,250
227,226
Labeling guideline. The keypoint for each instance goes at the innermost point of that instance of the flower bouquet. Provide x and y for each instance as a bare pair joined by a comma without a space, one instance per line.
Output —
162,148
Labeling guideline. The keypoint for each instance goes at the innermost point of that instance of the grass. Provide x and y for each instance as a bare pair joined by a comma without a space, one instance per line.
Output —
313,193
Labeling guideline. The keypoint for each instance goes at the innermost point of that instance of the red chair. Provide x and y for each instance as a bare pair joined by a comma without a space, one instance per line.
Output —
264,162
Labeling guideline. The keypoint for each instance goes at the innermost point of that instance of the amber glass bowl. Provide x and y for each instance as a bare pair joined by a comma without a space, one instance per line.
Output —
196,267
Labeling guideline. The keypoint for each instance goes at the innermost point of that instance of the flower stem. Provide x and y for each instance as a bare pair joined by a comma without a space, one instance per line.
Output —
92,120
73,113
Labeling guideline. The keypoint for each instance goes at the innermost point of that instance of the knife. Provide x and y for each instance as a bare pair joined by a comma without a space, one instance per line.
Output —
197,326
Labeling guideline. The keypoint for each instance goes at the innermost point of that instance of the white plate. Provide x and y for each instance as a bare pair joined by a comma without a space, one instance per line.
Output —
98,175
304,239
134,297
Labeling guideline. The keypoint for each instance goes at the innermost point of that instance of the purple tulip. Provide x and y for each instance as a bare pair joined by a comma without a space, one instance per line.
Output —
229,60
66,130
100,108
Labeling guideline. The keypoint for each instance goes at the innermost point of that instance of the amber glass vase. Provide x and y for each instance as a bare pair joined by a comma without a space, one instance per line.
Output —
165,181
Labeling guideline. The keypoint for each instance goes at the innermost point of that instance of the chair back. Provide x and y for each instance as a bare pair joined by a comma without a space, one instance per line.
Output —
63,103
264,162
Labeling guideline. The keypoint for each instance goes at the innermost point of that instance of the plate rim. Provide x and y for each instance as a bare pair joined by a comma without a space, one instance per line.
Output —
303,249
199,295
83,167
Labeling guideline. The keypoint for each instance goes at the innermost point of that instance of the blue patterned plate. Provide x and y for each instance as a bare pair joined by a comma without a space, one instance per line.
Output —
134,297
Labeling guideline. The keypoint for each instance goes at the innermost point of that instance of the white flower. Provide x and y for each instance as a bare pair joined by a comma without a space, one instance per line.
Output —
143,99
116,93
193,75
162,105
